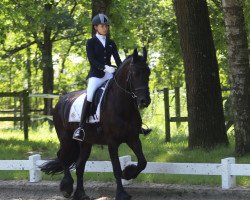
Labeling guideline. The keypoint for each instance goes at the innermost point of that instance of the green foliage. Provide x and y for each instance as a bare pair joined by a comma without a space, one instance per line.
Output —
151,24
25,22
134,24
219,36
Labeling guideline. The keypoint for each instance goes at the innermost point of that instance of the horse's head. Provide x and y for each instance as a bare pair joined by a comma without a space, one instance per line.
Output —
139,77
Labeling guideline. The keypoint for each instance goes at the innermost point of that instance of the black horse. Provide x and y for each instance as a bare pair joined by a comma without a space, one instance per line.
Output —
120,122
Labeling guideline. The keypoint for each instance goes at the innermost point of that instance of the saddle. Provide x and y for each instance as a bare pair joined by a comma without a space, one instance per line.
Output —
95,107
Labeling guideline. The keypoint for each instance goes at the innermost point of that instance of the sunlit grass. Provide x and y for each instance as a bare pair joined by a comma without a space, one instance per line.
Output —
44,141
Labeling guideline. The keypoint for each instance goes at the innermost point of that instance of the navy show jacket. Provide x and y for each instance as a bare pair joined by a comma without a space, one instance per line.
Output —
99,56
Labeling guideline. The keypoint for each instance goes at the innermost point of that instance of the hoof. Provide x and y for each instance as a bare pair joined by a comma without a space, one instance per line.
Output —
66,194
130,172
66,187
122,196
80,195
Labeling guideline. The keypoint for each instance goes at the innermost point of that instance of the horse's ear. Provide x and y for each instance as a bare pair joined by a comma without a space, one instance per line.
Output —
145,53
135,55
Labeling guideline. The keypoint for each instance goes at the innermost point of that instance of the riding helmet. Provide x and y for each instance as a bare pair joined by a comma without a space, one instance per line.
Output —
100,19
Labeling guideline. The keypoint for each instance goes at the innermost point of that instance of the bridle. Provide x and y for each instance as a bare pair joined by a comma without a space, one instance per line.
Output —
132,94
132,91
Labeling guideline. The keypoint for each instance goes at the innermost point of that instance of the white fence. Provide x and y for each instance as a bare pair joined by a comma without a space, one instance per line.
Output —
227,169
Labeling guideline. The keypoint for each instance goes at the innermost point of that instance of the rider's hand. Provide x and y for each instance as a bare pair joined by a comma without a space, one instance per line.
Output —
109,69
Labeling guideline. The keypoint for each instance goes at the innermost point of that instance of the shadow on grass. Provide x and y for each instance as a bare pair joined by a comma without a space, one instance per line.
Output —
18,149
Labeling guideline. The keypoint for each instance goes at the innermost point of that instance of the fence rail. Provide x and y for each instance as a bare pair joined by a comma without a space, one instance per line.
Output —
177,106
227,169
24,111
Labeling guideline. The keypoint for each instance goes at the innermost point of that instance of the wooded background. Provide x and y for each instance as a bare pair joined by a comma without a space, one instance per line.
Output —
200,45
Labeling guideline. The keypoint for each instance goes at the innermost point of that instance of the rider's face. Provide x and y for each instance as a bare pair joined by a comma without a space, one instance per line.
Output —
102,29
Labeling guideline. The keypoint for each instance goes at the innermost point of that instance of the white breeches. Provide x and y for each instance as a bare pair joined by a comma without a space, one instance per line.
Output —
94,83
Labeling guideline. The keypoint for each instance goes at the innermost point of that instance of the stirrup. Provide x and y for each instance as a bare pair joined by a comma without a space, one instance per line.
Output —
79,134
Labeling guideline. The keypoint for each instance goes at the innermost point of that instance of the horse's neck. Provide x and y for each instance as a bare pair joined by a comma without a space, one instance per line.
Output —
122,74
120,106
122,96
125,107
124,101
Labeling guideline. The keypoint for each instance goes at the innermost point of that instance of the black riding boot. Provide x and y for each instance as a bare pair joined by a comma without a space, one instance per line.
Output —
145,131
79,133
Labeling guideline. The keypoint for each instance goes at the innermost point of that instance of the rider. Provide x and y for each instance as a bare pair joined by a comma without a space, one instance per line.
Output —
99,51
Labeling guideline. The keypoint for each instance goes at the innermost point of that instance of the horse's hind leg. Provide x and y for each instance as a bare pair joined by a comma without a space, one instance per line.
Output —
66,185
121,194
85,150
132,171
67,156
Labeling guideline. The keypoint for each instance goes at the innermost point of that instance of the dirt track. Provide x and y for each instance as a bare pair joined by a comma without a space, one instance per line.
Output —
45,190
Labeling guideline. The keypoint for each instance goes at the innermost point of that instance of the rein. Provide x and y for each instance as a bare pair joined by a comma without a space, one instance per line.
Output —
130,92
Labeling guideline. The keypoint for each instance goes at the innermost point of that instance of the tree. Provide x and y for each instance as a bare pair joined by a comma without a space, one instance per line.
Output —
204,100
100,6
43,23
138,23
239,73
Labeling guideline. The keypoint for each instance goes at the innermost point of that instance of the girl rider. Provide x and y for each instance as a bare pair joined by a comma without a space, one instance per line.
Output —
99,51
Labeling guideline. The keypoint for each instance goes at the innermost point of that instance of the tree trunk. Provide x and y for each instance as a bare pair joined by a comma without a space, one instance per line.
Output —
100,6
239,72
27,77
204,101
47,64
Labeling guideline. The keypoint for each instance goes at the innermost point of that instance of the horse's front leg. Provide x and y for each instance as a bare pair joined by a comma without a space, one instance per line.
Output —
132,171
85,150
121,194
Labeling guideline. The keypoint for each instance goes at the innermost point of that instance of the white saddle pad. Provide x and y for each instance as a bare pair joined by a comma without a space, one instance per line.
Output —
76,109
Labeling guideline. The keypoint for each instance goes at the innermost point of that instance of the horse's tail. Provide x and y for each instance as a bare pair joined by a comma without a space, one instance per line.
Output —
69,149
52,167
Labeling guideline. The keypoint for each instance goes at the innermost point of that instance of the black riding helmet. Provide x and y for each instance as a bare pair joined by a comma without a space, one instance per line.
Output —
100,19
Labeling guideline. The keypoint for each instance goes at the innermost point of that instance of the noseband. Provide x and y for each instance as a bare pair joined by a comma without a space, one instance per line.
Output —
131,91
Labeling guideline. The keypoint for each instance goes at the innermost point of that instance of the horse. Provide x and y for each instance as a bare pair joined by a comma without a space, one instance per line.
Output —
120,121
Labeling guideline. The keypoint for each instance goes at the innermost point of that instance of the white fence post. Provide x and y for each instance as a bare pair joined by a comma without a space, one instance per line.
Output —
35,173
228,181
125,161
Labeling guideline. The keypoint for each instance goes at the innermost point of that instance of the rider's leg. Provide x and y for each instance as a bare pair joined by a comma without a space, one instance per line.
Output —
79,133
93,84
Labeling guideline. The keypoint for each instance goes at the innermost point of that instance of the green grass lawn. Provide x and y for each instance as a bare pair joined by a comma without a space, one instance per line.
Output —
44,142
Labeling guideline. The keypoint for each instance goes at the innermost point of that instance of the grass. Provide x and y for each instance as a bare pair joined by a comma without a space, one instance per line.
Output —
44,142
